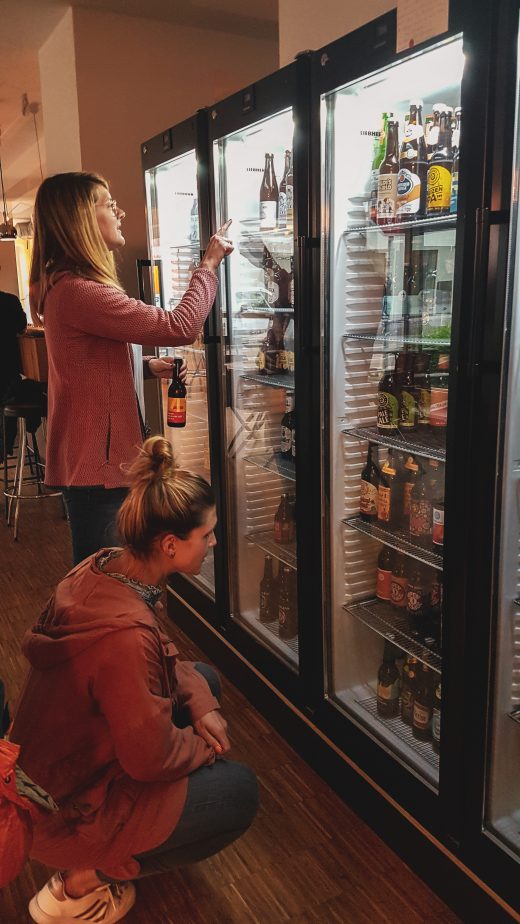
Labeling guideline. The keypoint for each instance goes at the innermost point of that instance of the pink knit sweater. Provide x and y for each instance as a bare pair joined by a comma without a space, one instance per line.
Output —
93,421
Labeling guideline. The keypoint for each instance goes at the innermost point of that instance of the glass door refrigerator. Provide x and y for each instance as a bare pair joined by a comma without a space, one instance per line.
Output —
259,140
177,202
405,155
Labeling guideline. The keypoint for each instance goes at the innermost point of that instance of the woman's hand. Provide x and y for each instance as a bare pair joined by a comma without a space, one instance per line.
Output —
162,368
212,727
219,247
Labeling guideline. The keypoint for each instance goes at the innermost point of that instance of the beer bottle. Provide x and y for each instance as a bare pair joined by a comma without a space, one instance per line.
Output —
194,221
440,170
282,195
287,426
388,399
377,160
266,591
439,399
455,171
423,390
389,496
408,410
413,168
387,180
407,689
421,514
399,584
417,600
284,521
290,192
268,196
422,705
388,683
283,362
287,617
411,479
433,131
436,718
271,352
176,416
369,488
384,574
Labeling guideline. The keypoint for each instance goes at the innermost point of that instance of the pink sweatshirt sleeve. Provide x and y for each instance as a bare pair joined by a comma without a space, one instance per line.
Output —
104,311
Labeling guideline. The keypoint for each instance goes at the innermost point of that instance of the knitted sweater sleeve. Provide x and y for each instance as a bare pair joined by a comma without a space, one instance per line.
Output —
104,311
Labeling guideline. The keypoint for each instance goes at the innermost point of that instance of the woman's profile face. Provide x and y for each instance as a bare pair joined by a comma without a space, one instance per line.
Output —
109,217
191,552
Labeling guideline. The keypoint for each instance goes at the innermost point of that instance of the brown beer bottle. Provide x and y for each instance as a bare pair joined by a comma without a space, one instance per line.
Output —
387,181
399,585
384,575
407,689
408,410
440,170
417,600
388,399
388,683
176,416
422,705
413,168
369,489
268,196
389,495
271,352
282,195
284,521
287,622
266,591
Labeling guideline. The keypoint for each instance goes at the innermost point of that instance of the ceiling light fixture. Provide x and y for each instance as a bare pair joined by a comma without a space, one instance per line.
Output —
7,229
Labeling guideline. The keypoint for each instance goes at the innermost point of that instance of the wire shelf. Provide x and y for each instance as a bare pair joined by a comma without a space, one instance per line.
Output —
396,540
377,337
275,381
416,447
291,643
420,224
401,731
390,624
285,552
274,462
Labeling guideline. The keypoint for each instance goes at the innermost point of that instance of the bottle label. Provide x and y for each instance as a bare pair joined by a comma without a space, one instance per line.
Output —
436,725
273,291
283,361
439,407
420,518
368,500
438,527
176,411
415,600
290,203
439,188
407,490
388,691
424,405
399,588
387,411
421,715
408,191
286,439
408,410
282,210
260,360
373,184
386,196
454,192
383,503
267,215
384,585
407,704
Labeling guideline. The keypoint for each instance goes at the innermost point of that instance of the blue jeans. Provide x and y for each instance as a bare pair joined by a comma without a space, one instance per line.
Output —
221,803
92,514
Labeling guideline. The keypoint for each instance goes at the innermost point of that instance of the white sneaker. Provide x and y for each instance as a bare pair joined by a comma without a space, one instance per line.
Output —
105,905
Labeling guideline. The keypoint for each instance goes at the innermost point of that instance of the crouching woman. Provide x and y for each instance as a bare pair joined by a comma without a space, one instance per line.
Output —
128,740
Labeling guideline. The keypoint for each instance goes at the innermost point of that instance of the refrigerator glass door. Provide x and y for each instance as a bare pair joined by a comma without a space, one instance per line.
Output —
502,803
174,246
259,316
390,199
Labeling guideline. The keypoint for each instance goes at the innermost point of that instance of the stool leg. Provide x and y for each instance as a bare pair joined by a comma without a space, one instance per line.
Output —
38,464
19,462
6,471
18,492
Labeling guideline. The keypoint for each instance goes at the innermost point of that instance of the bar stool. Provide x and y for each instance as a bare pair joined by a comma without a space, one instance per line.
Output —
24,413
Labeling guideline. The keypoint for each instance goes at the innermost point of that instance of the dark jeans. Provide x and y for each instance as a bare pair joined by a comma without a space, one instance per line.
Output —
92,514
221,803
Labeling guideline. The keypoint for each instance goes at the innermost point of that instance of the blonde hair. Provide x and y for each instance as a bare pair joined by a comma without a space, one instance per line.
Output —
67,236
162,498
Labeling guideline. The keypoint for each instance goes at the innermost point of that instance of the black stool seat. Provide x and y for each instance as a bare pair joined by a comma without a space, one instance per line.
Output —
23,410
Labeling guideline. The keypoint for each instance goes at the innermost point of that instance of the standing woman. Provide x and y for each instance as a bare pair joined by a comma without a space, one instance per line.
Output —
94,420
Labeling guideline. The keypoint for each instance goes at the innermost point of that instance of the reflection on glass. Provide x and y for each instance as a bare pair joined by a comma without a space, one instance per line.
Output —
390,232
175,252
253,173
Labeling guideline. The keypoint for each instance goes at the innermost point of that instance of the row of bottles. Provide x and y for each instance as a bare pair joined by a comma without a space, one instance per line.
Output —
413,693
276,202
415,592
405,494
417,300
413,395
418,178
276,352
278,599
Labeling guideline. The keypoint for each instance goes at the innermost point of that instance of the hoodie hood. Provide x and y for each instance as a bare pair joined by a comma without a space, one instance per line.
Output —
85,607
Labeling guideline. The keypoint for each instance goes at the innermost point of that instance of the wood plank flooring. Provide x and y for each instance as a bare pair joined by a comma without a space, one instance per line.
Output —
308,858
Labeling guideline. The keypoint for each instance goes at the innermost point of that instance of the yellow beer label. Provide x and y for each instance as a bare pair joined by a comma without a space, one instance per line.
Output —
176,410
439,188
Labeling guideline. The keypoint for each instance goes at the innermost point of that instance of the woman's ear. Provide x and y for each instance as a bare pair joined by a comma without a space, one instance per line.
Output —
169,545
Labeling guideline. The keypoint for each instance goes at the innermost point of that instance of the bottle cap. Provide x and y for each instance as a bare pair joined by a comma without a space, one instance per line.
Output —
388,469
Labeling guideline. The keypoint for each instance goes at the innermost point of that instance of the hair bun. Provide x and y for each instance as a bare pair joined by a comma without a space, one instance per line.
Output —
160,454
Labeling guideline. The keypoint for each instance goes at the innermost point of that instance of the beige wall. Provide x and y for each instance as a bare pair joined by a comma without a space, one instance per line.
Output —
8,273
305,24
135,77
57,63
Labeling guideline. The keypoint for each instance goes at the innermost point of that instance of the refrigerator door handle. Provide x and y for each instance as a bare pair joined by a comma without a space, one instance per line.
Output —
485,219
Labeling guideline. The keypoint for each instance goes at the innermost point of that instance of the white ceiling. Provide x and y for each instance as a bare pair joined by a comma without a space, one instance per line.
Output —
25,25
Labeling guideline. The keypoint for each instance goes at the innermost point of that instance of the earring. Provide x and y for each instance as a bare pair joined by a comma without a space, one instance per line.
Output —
171,553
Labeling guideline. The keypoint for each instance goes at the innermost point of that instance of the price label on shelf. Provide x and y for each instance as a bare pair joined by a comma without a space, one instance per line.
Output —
419,20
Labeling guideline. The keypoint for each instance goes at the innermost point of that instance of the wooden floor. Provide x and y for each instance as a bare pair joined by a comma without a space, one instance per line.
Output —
308,858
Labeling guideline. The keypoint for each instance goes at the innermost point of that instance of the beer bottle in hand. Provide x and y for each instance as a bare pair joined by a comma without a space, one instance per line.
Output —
266,591
369,489
388,684
176,416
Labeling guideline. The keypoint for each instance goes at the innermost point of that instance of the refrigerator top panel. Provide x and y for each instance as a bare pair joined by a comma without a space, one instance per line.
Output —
254,104
170,143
